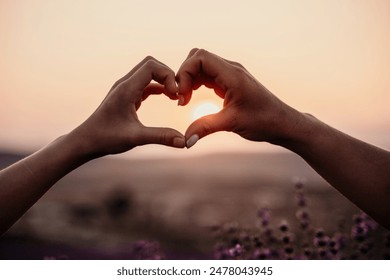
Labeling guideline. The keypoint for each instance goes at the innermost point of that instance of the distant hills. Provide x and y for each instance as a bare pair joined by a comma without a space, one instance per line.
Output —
7,158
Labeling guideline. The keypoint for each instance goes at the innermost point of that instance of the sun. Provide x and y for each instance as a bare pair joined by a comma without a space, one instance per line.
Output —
203,109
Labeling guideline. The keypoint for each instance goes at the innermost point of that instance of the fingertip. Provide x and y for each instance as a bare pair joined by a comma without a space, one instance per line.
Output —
184,97
179,142
163,136
204,126
185,88
171,88
181,100
192,140
176,86
193,134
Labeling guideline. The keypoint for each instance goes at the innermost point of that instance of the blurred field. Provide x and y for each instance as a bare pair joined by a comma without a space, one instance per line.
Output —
99,210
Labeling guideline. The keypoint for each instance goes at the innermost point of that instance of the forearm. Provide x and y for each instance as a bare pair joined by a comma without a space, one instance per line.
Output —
23,183
358,170
113,128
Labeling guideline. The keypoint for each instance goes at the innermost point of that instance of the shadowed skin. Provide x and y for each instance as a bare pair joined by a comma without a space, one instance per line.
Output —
358,170
113,128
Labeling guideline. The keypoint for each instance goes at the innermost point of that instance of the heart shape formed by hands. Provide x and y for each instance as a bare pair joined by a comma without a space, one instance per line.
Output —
249,109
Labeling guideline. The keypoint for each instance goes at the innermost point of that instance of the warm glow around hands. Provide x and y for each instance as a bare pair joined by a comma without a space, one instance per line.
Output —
203,109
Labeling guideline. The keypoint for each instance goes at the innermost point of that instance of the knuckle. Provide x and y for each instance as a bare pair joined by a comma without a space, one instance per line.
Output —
164,138
124,88
119,87
115,84
238,64
148,58
238,69
201,53
207,129
151,63
193,51
237,76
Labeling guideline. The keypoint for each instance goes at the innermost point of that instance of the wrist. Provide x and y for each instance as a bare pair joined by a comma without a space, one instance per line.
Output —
78,146
299,131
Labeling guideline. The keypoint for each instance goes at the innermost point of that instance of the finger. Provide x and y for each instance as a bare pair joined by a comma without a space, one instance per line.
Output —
209,83
205,64
205,126
153,70
192,52
182,100
162,136
132,71
151,89
234,63
155,89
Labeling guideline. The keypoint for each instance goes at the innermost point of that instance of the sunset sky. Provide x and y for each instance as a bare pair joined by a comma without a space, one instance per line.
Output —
60,57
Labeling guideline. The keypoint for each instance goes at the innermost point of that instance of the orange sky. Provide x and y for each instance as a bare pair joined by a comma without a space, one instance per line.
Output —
60,57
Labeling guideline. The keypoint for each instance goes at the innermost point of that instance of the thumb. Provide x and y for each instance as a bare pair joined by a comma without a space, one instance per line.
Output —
163,136
204,126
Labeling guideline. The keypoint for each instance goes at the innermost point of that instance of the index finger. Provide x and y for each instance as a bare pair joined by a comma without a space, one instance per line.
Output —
152,70
132,71
202,65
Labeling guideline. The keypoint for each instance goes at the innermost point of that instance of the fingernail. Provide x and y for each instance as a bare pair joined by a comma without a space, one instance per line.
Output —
177,87
192,140
181,100
179,142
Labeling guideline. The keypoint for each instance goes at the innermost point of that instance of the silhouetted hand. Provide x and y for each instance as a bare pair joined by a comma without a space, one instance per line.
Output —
115,128
360,171
249,109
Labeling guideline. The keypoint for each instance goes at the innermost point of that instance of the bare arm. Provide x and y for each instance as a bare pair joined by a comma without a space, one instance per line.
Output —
113,128
358,170
23,183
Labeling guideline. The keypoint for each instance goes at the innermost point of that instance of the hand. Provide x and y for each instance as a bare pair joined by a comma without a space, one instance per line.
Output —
115,128
249,109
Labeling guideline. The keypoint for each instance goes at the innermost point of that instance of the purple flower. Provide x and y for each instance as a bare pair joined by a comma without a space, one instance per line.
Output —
302,214
319,233
147,250
323,253
359,231
304,224
288,238
257,242
303,217
262,254
283,226
236,251
299,183
301,199
307,252
221,253
321,241
289,250
265,216
365,248
340,240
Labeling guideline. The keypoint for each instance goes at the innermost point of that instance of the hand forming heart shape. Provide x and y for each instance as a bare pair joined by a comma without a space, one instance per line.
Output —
249,109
